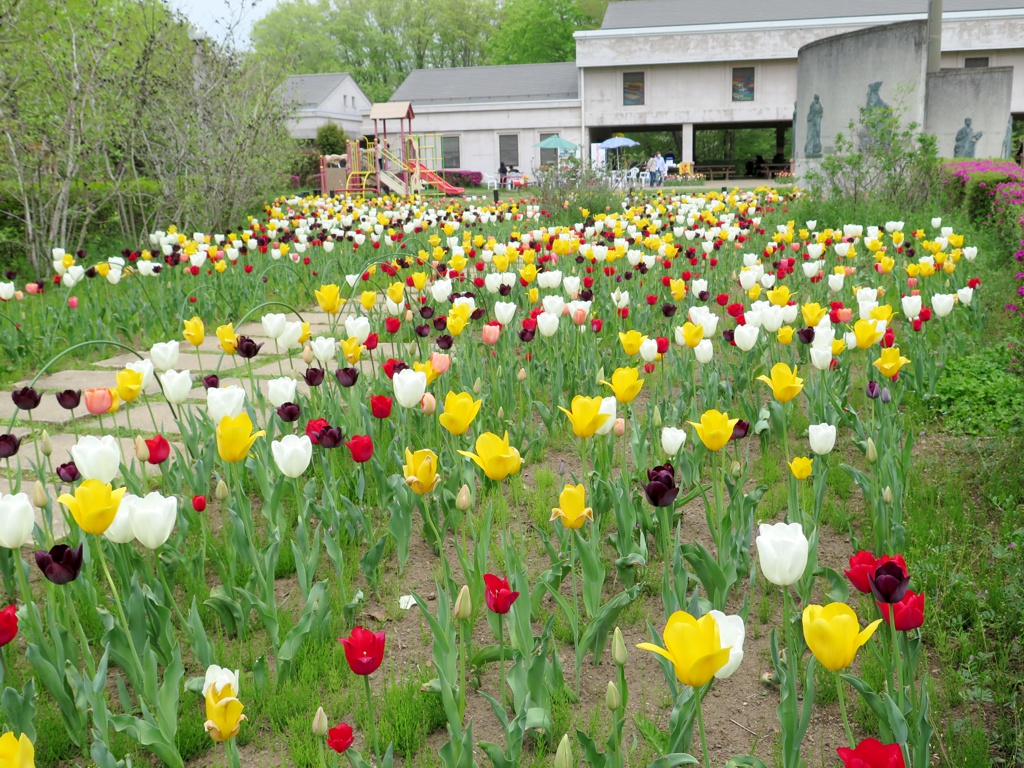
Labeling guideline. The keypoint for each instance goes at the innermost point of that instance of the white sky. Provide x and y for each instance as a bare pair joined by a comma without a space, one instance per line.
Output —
219,17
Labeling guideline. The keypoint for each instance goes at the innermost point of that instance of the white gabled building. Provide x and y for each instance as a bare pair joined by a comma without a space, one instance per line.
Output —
320,99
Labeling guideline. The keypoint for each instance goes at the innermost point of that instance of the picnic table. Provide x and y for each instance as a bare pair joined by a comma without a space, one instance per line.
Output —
774,169
711,170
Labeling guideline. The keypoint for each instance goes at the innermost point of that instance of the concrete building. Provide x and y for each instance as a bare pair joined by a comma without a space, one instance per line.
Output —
321,99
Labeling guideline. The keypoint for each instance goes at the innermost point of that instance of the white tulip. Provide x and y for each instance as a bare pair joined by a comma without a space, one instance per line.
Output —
942,304
553,304
441,290
153,518
965,294
16,521
822,438
745,336
607,406
224,401
504,311
6,291
325,349
97,458
73,276
672,440
911,306
164,355
357,327
219,678
289,338
120,529
649,350
571,285
620,299
547,324
145,367
704,351
281,391
409,387
176,386
835,282
732,633
782,551
273,324
771,318
292,454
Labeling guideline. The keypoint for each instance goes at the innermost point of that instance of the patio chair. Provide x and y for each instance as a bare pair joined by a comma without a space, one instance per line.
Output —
490,181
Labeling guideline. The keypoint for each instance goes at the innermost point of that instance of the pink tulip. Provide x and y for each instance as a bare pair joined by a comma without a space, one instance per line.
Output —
911,281
428,403
32,287
491,332
73,302
845,315
441,362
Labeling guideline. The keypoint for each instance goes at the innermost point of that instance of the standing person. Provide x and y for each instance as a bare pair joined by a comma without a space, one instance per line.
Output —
652,170
662,168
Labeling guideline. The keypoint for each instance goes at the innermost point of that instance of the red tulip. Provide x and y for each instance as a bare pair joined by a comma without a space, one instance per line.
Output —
871,753
371,342
159,449
8,624
498,595
361,447
313,427
392,325
863,564
339,738
364,650
909,611
199,503
380,406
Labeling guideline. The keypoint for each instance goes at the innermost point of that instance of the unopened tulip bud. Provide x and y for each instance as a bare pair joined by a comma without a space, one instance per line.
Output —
501,413
620,427
141,449
428,403
221,493
45,445
563,756
307,354
463,604
463,499
408,315
561,467
619,653
39,497
612,697
656,418
736,470
320,724
477,386
887,495
871,452
521,375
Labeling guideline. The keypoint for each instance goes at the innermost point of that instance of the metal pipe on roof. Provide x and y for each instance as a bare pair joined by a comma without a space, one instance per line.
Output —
934,35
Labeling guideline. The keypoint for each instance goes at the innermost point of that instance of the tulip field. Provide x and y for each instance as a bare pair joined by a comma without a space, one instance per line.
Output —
396,482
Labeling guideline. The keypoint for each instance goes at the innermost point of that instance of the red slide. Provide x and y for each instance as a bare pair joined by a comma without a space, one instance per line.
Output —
431,178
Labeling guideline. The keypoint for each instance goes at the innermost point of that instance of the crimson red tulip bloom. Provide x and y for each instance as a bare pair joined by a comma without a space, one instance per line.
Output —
380,406
498,595
392,325
909,611
871,753
863,565
361,447
159,449
364,650
199,503
313,429
339,738
8,624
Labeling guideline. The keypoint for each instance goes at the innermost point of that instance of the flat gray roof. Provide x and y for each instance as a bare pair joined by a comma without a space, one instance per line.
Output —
307,91
686,13
515,82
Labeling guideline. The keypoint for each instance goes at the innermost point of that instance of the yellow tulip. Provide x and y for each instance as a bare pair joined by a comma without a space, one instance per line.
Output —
715,429
834,635
692,334
572,510
368,299
16,751
421,470
459,412
396,292
306,333
838,347
235,437
495,457
784,382
585,415
626,384
785,334
195,331
428,369
129,384
631,341
693,646
677,288
813,314
115,401
867,333
458,262
780,296
228,338
352,349
882,312
329,298
801,467
890,362
529,273
223,713
419,280
93,506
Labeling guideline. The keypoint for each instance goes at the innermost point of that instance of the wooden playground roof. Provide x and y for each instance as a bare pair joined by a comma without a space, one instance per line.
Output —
392,110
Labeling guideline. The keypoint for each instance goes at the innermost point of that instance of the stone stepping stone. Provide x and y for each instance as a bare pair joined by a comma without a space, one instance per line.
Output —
143,422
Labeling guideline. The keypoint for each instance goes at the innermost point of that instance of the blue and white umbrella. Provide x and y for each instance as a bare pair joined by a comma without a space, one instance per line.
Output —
617,142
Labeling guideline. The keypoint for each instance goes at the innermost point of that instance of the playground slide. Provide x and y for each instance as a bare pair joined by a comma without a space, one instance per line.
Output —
431,178
393,183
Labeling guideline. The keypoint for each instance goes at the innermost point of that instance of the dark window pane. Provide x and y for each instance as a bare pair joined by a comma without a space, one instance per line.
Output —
548,156
450,148
975,61
508,149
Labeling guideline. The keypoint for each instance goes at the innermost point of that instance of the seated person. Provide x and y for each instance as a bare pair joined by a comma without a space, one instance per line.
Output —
759,165
502,173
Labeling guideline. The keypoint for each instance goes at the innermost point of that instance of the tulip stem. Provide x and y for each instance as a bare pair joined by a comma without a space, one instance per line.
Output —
501,642
120,609
231,753
842,711
373,719
700,726
896,656
575,605
463,651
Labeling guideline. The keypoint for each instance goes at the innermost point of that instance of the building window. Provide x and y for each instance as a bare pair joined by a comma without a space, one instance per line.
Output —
344,100
548,156
632,89
508,149
742,83
450,150
972,62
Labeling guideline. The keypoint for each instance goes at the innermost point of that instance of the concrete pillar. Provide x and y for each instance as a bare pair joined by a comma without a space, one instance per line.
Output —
687,143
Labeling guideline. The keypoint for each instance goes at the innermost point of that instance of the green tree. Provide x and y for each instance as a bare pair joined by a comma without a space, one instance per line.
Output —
330,139
537,31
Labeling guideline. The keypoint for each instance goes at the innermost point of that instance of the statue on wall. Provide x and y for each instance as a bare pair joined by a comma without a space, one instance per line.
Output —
966,140
874,97
812,146
1008,139
793,133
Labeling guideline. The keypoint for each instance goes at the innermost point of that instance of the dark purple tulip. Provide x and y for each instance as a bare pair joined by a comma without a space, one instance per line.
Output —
440,323
288,412
504,290
728,335
423,330
314,376
347,376
668,310
806,335
331,437
26,398
68,472
740,430
874,390
704,295
886,395
247,348
69,398
661,488
477,313
526,334
9,445
627,276
212,381
586,295
426,312
91,272
10,274
61,564
444,341
889,582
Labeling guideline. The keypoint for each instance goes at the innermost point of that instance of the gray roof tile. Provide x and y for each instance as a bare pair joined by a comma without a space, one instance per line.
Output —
308,91
517,82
